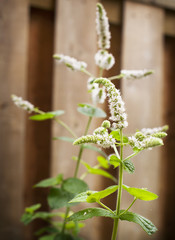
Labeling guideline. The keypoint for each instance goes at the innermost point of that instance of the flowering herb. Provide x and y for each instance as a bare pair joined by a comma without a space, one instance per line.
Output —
64,192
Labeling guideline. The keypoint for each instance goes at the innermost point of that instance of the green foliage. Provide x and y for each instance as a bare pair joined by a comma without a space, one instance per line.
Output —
103,162
50,182
146,224
91,111
97,171
89,213
46,116
66,236
58,198
114,160
140,193
128,166
74,185
48,237
32,208
116,135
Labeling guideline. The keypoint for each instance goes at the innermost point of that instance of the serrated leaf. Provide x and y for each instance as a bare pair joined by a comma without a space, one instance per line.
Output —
146,224
103,162
74,185
114,160
66,139
89,213
140,193
28,217
47,115
50,182
58,198
91,111
99,172
97,196
32,208
81,197
95,149
116,135
128,166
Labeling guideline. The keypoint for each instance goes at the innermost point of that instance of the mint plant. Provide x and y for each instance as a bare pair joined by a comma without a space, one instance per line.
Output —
73,190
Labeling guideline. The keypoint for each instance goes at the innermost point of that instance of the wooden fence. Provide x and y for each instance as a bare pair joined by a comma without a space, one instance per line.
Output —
30,32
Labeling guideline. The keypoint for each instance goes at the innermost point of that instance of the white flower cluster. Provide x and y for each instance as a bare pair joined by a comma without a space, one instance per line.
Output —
100,136
98,94
18,101
141,141
70,62
103,138
104,60
135,74
150,131
102,27
116,104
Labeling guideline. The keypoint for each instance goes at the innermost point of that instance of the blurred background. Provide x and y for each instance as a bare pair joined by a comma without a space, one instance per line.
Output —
143,37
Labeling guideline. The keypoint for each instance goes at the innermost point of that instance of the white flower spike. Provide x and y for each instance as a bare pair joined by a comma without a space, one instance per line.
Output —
102,27
135,74
70,62
104,60
25,105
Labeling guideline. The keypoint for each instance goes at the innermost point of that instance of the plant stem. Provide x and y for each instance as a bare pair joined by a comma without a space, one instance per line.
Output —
65,126
81,148
129,207
86,72
76,170
101,72
116,77
103,205
115,227
130,156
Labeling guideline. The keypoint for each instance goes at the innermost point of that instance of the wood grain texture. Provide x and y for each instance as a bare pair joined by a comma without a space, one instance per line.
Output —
143,49
13,75
74,36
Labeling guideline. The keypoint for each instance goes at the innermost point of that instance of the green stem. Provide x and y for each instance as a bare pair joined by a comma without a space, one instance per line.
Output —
76,169
103,205
116,77
101,72
130,156
116,151
86,72
129,207
115,227
81,148
65,126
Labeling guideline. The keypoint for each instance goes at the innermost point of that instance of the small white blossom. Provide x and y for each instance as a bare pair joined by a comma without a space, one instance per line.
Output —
104,60
102,27
150,131
135,74
116,104
70,62
98,94
18,101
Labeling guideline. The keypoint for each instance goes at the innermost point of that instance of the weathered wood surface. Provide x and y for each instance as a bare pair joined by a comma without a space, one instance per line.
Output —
74,36
42,4
170,4
39,92
13,63
143,49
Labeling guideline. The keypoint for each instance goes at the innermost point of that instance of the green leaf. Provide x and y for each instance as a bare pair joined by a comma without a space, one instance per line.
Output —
146,224
97,196
89,213
98,172
64,236
128,166
48,237
46,230
47,115
81,197
103,162
58,198
95,149
116,135
32,208
74,185
50,182
140,193
91,111
66,139
114,160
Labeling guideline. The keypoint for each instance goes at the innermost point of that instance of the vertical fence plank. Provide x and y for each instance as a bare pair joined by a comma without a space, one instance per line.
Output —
143,49
13,48
74,36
